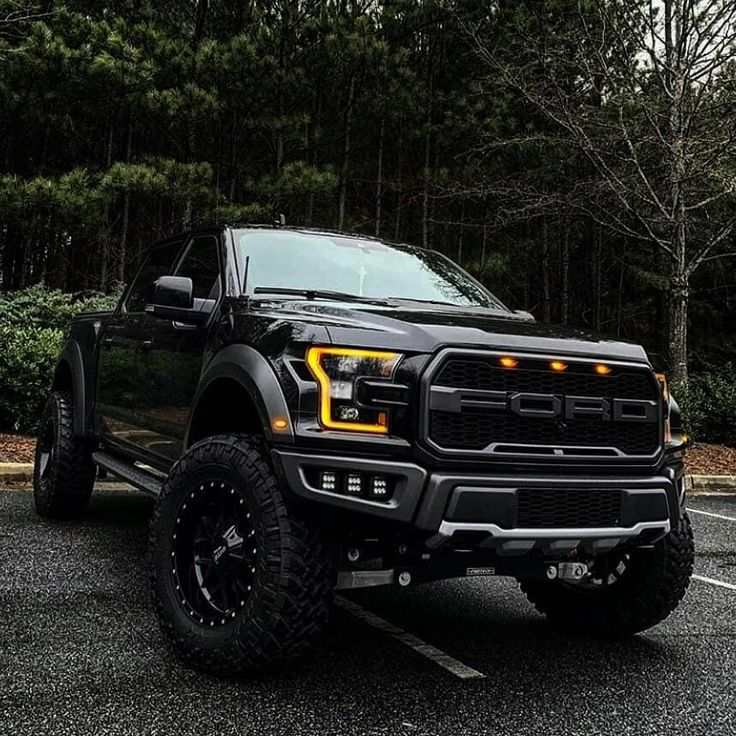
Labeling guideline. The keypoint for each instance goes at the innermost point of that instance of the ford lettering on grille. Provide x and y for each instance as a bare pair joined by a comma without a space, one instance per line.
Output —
551,406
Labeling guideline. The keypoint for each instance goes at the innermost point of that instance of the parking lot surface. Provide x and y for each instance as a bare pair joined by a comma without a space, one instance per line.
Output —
80,652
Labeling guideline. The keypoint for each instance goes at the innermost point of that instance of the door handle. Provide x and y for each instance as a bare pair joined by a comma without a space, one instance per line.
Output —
146,345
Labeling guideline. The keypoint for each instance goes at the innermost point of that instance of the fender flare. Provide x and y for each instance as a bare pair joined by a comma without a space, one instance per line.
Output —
71,355
254,373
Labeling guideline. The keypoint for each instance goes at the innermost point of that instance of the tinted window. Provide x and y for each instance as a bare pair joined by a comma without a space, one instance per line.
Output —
160,262
202,266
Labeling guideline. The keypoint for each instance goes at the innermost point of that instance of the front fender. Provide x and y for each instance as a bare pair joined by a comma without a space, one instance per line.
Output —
254,373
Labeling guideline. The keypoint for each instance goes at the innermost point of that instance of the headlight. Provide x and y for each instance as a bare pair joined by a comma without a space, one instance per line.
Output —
336,371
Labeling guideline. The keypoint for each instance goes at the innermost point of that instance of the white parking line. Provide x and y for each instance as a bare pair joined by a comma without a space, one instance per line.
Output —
713,581
708,513
427,650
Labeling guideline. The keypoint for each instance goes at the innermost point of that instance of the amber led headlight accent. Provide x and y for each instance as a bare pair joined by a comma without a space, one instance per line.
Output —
336,371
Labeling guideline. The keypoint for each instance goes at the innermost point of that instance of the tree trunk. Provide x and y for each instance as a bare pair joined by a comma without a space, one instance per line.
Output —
679,295
597,278
122,255
427,164
399,183
345,154
680,280
379,176
484,242
565,276
105,229
546,296
620,293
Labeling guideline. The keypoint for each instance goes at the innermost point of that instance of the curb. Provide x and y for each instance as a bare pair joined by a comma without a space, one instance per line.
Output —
710,483
16,472
23,473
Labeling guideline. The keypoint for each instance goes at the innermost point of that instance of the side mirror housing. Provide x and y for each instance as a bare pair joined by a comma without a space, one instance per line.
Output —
173,291
173,297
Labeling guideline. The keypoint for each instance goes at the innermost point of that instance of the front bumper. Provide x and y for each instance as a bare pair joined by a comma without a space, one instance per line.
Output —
482,510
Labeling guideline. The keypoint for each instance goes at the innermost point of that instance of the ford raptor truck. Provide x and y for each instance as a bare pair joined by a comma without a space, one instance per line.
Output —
315,411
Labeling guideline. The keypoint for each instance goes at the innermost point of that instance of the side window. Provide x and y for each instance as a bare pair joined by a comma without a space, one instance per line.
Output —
201,264
160,262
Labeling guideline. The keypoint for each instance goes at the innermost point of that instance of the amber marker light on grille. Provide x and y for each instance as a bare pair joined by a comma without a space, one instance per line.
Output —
558,365
507,362
602,370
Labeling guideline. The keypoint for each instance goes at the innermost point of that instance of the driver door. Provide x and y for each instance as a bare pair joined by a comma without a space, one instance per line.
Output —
150,365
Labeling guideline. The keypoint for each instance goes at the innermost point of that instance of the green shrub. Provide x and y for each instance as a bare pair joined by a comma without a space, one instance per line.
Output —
38,306
32,324
708,405
26,368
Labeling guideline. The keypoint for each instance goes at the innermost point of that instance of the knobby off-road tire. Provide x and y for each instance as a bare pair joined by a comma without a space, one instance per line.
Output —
240,582
651,587
63,473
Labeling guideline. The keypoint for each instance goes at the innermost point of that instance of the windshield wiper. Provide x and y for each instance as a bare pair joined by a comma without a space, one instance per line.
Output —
318,294
453,305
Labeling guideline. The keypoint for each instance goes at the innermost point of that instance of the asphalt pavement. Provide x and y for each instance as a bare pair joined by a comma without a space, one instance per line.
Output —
80,652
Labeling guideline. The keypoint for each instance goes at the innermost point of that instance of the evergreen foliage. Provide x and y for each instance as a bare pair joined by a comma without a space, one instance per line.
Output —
122,121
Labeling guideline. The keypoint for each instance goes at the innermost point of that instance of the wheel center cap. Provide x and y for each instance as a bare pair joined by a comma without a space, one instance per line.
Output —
218,553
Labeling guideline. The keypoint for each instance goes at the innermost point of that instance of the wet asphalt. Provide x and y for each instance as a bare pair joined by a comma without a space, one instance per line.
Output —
80,652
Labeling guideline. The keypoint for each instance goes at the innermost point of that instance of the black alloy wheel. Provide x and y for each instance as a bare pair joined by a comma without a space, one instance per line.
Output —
214,553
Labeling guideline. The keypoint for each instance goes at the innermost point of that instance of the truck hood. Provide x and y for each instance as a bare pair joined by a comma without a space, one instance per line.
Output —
420,329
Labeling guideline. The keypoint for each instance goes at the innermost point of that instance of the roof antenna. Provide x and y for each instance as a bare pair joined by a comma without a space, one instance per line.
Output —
245,277
280,221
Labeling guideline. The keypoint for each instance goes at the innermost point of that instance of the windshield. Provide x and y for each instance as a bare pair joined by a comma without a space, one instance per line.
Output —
362,268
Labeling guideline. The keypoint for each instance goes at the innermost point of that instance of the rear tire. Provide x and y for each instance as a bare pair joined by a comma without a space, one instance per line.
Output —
63,473
649,590
240,582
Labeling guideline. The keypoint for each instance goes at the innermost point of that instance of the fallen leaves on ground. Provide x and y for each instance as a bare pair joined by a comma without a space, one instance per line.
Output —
703,459
15,448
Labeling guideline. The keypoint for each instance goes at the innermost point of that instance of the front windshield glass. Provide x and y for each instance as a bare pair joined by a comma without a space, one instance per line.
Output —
363,268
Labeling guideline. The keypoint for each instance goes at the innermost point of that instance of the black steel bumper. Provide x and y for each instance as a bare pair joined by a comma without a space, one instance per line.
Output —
481,510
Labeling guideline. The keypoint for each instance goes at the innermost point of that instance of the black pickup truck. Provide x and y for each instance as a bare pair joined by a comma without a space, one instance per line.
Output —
317,411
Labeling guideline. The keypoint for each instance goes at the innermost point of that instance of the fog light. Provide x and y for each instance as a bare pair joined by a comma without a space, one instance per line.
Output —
328,481
354,484
380,486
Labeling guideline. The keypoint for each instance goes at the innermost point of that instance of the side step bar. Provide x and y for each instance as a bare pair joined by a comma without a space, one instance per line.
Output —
142,480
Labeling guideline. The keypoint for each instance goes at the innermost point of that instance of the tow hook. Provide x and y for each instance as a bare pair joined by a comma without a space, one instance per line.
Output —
572,572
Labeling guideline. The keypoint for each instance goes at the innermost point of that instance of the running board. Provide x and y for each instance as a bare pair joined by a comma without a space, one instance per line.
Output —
142,480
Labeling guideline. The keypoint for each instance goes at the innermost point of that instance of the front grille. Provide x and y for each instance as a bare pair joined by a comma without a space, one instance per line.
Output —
476,428
551,508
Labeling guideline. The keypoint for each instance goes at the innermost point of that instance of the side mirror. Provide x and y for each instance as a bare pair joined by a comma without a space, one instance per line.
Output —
173,291
173,297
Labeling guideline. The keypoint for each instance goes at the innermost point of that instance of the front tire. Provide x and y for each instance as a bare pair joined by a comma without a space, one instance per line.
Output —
63,472
240,582
634,596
